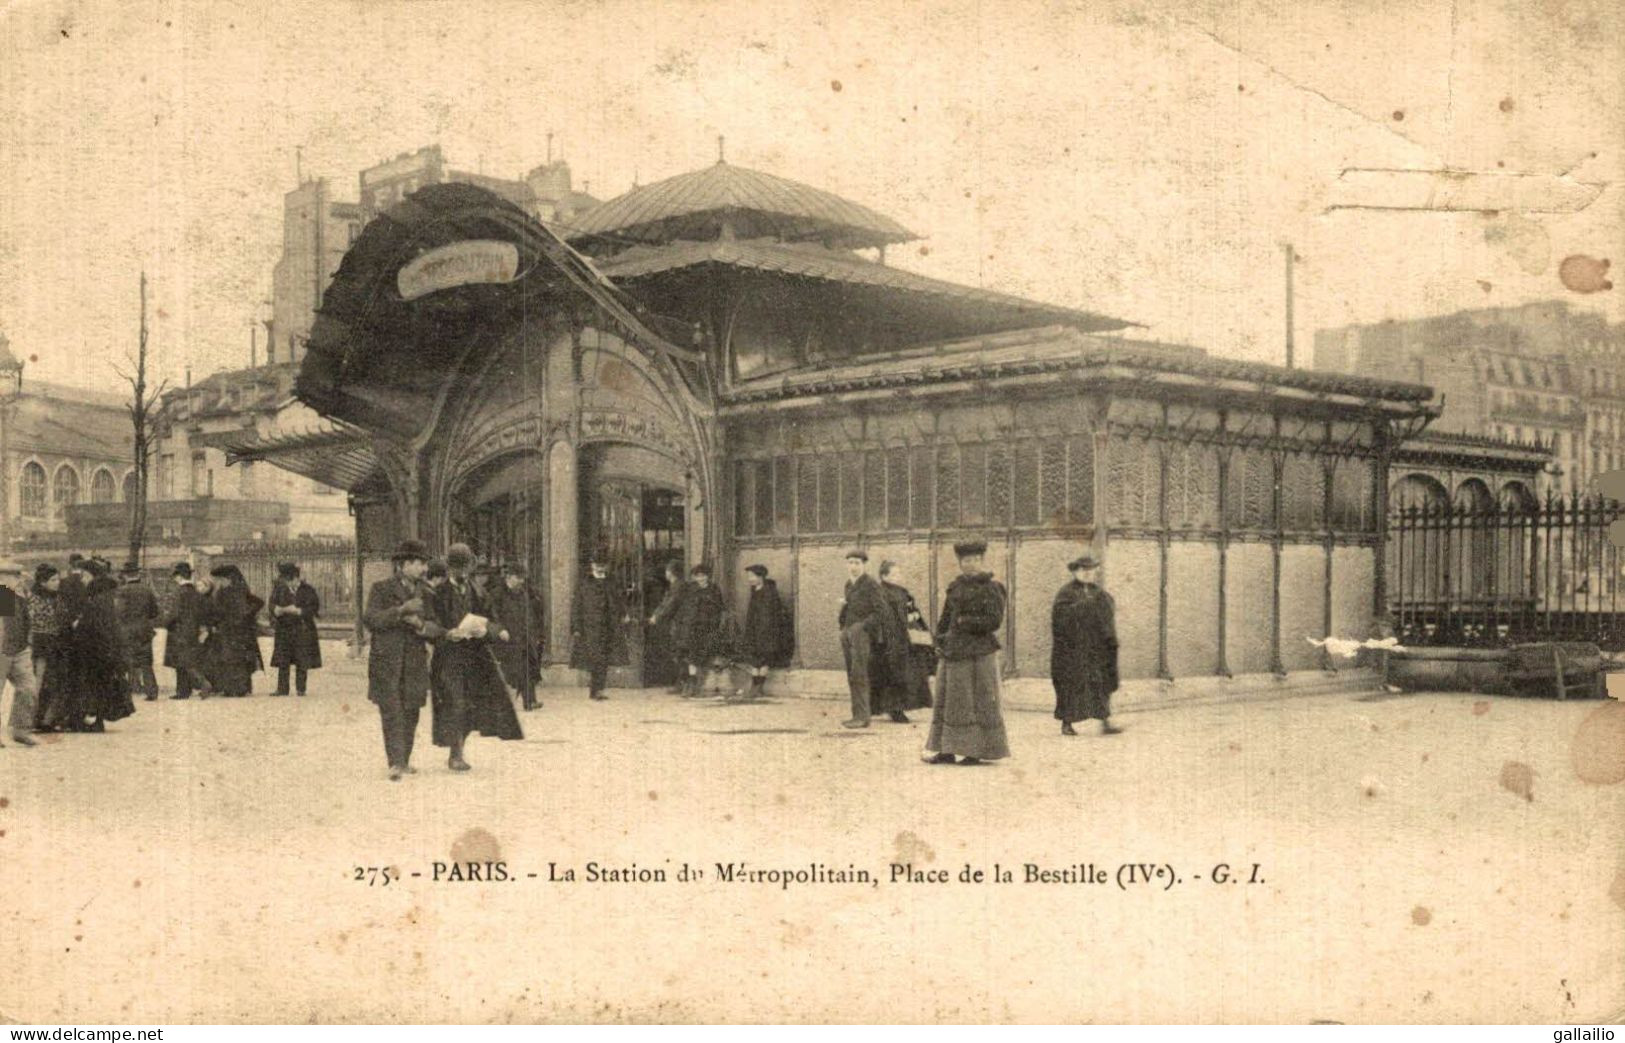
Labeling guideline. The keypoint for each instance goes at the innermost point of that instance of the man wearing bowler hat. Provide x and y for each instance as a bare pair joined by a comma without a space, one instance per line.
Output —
862,618
16,660
398,663
1083,649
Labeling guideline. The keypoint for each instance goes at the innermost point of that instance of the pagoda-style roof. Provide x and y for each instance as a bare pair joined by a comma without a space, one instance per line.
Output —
808,261
724,200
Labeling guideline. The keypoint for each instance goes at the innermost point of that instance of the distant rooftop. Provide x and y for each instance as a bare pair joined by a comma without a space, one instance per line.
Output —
723,200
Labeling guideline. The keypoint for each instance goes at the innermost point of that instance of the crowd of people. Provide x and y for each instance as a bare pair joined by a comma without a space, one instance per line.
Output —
440,638
76,646
76,643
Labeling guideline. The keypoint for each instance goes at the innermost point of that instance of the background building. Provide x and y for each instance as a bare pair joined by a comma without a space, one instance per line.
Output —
1540,374
188,465
62,446
318,228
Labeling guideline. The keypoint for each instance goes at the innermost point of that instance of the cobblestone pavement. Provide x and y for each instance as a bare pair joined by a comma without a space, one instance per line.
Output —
1428,857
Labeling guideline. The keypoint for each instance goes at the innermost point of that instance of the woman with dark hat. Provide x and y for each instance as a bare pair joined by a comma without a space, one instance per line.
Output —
99,675
294,608
701,628
767,640
907,658
232,650
968,720
48,624
597,616
137,610
466,684
1083,650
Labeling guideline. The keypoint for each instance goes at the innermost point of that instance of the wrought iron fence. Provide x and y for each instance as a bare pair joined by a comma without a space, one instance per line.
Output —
326,564
1506,574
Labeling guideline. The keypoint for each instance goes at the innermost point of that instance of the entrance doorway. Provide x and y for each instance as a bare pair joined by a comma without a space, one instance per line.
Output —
499,513
640,525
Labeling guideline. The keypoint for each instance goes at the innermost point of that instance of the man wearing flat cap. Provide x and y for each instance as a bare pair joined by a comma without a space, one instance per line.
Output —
862,621
967,719
1083,649
701,628
398,661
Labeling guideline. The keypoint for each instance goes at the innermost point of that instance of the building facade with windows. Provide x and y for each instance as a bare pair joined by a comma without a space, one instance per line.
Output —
1541,375
720,367
190,467
62,446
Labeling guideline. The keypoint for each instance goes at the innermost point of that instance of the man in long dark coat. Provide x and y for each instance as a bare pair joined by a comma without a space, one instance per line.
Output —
398,662
519,610
766,641
968,718
1083,650
182,648
295,606
467,687
863,622
137,611
597,616
702,623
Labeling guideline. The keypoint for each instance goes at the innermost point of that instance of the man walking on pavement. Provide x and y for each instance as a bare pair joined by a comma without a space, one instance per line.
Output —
597,617
16,659
398,663
861,619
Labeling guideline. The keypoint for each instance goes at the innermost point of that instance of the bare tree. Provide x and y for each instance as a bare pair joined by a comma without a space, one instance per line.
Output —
142,406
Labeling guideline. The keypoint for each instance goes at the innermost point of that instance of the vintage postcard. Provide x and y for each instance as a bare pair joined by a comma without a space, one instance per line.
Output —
716,511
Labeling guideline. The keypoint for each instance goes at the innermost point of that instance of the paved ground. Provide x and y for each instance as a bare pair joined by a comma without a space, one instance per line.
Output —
1432,857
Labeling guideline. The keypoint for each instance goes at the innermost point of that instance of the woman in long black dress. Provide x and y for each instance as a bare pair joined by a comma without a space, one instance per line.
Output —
99,676
907,660
232,650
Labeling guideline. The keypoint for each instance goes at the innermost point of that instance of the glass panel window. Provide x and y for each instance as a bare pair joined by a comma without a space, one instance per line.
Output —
947,459
64,490
851,492
1026,479
784,487
829,493
807,494
31,490
972,485
897,504
1080,479
874,491
922,487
